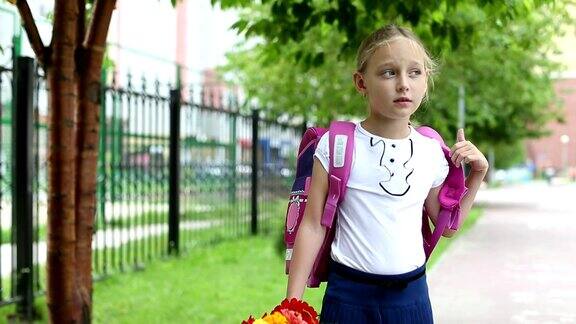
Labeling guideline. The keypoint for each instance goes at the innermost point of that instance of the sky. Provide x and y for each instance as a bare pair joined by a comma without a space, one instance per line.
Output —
146,30
146,33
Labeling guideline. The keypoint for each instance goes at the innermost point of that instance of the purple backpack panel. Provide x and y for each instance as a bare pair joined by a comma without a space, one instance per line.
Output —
299,192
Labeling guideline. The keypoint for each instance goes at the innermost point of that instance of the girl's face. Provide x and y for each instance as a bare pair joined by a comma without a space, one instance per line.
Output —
395,80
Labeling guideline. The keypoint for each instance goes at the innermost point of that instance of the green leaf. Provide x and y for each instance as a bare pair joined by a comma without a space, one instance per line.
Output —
240,25
258,28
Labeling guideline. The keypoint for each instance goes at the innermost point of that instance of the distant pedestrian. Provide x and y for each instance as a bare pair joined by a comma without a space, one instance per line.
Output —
549,173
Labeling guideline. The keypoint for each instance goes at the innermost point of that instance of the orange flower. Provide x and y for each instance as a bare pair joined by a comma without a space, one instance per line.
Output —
275,318
291,311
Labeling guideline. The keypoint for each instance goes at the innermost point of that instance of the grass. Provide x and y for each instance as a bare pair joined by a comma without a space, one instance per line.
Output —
6,235
224,283
134,254
221,284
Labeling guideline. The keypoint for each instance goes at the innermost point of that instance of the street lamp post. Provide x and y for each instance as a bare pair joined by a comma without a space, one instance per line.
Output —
565,139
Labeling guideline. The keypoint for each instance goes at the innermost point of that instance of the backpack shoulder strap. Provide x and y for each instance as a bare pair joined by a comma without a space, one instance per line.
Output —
453,188
341,145
451,193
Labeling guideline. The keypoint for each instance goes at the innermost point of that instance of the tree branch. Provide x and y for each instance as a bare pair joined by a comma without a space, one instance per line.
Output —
32,31
99,24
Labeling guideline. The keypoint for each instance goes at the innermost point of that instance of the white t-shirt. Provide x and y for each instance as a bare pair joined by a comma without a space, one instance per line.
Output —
378,228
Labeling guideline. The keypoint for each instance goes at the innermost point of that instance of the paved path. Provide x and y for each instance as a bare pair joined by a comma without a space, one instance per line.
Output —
517,265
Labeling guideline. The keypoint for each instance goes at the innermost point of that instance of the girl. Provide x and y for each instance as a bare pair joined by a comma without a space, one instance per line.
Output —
377,271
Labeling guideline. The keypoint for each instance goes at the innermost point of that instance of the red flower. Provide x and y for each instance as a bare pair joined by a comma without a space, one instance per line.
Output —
294,311
308,313
293,317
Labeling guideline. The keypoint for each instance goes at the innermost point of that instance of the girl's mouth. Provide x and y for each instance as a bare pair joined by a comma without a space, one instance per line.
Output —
402,102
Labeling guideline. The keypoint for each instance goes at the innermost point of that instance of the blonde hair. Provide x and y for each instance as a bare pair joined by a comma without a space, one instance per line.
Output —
384,36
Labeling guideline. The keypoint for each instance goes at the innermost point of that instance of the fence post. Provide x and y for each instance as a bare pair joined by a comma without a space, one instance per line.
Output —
255,141
101,184
232,159
22,182
115,144
174,192
100,224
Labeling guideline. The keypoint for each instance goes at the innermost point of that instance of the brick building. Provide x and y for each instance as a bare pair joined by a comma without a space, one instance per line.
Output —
559,149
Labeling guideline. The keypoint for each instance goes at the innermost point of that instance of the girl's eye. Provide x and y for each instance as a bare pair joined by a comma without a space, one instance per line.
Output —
415,73
387,73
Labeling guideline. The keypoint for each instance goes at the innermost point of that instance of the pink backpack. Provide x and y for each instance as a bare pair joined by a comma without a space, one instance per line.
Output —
341,141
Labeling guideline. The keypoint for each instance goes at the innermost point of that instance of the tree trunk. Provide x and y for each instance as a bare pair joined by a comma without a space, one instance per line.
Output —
86,186
90,68
62,298
73,64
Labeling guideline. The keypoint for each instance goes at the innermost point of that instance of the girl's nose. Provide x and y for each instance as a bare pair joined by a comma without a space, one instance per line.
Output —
402,88
402,85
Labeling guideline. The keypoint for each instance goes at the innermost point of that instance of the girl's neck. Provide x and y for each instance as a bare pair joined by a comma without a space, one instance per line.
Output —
387,128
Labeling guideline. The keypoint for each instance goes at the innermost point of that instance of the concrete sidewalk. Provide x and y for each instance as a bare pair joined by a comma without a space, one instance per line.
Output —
517,265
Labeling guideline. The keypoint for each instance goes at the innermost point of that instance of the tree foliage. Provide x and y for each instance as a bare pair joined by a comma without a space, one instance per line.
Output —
446,23
303,59
507,77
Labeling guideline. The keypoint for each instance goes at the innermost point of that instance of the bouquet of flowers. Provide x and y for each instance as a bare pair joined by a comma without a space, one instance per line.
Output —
291,311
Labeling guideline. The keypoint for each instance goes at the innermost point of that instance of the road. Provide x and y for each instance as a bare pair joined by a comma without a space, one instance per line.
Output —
517,265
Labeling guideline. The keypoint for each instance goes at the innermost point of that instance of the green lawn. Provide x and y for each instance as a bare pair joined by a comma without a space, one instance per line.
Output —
224,283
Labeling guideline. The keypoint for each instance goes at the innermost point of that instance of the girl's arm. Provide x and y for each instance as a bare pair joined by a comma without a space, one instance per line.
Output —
462,151
473,182
310,233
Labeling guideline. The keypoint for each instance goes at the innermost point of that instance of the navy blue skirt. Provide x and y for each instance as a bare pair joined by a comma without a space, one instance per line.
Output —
357,297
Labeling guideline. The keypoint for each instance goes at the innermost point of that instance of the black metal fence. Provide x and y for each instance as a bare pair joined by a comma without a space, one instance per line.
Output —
21,190
178,168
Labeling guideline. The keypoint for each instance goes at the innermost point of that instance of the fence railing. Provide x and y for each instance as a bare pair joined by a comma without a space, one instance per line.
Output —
20,190
177,168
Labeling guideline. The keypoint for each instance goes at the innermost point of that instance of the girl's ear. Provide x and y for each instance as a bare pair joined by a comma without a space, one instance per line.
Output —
359,83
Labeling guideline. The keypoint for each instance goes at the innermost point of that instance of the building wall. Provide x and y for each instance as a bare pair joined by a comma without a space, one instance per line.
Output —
550,151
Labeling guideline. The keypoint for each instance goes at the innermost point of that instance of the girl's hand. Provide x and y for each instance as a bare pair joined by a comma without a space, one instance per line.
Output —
465,151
